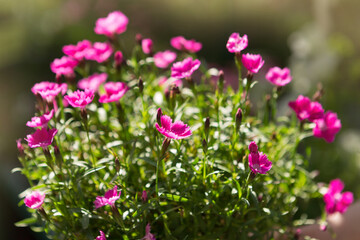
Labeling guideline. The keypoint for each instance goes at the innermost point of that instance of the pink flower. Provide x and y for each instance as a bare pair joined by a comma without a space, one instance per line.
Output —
176,130
64,66
148,235
163,59
77,51
92,82
258,162
100,52
80,98
109,198
236,43
34,200
327,127
101,237
182,44
305,109
49,90
114,91
147,45
279,77
252,62
185,68
118,56
41,137
41,121
335,201
115,23
144,196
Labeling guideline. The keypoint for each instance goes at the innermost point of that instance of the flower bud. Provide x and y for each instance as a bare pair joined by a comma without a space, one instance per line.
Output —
117,164
58,156
144,196
253,148
141,85
323,227
221,81
164,147
138,38
207,127
20,147
118,56
238,119
204,145
158,116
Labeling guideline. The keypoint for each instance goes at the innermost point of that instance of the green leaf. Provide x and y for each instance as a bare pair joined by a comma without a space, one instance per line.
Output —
175,198
26,222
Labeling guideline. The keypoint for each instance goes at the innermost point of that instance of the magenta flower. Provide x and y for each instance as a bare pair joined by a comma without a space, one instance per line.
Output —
49,90
115,23
118,56
148,234
41,137
252,62
163,59
335,201
34,200
92,82
236,43
77,51
305,109
80,98
109,198
144,196
327,127
41,121
64,66
100,52
258,162
114,91
102,236
176,130
147,45
185,68
279,77
182,44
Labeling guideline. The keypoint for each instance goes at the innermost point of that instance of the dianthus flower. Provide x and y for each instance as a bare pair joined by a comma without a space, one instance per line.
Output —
99,52
185,68
109,198
34,200
49,90
64,66
327,127
236,43
182,44
80,98
118,57
176,130
147,45
258,162
115,23
102,236
41,121
77,51
114,91
305,109
279,77
92,82
335,201
163,59
148,234
252,62
41,137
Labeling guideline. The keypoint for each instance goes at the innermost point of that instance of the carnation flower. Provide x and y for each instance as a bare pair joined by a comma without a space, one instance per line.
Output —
335,201
148,235
80,98
176,130
236,43
185,68
92,82
279,77
182,44
258,162
163,59
64,66
102,236
49,90
99,52
252,62
115,23
77,51
41,137
41,121
114,91
305,109
109,198
34,200
147,45
327,127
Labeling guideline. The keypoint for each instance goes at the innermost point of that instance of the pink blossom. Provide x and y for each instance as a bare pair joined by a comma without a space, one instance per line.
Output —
335,201
41,121
305,109
114,91
41,137
182,44
163,59
77,51
92,82
236,43
102,236
176,130
64,66
100,52
147,45
252,62
115,23
118,56
109,198
34,200
327,127
80,98
148,234
144,196
279,77
49,90
258,162
185,68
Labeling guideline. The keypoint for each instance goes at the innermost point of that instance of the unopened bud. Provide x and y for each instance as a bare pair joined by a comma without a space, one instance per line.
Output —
141,85
117,164
20,147
58,156
207,127
138,38
297,234
253,148
221,81
238,119
165,146
204,145
83,114
158,116
319,93
144,196
118,56
323,227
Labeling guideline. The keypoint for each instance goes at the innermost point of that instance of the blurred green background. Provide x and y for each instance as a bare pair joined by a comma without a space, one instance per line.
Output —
318,39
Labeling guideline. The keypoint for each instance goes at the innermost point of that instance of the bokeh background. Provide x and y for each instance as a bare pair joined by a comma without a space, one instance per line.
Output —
318,39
